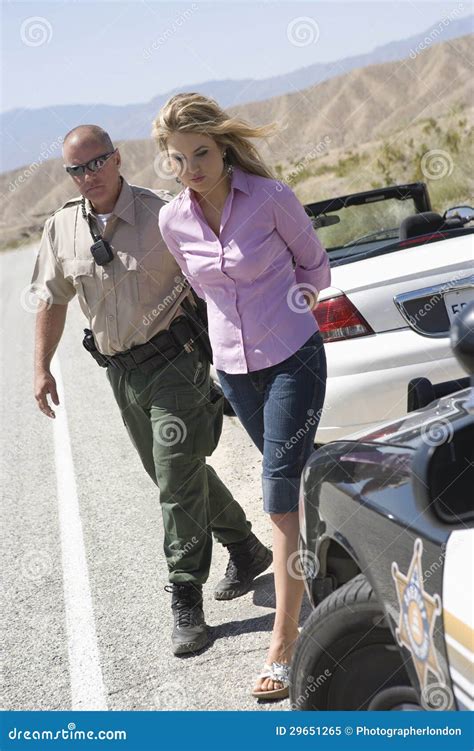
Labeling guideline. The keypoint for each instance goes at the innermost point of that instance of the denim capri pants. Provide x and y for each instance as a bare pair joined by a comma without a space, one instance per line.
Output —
280,407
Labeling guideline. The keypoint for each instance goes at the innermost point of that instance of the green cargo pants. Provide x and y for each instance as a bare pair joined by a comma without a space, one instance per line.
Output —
174,425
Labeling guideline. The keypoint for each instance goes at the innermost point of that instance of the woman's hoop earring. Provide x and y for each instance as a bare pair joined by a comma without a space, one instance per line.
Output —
178,180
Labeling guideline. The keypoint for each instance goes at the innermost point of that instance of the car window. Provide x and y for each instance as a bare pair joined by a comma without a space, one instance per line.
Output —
380,221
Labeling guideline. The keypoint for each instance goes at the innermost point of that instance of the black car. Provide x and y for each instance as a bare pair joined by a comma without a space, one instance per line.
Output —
387,546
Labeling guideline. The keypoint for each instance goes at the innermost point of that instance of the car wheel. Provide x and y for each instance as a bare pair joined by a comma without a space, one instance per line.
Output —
345,655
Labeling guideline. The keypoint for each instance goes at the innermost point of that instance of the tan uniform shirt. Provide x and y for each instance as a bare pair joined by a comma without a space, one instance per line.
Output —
131,298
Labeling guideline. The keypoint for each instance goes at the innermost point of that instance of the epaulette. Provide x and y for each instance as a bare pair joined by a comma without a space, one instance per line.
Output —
164,195
72,202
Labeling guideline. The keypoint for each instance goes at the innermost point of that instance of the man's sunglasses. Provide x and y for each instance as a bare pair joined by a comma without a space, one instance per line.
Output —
94,165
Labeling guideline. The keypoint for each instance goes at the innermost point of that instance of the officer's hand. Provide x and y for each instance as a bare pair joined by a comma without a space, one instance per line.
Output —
44,385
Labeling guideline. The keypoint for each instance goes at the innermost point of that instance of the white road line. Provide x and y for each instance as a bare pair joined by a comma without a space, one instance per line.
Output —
87,687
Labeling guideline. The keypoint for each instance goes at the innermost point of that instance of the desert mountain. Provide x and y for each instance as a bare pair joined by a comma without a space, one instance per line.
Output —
26,133
358,111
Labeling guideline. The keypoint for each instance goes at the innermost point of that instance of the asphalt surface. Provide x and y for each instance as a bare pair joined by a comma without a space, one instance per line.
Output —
86,621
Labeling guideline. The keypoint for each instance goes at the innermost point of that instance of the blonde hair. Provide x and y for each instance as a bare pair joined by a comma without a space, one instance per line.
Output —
201,114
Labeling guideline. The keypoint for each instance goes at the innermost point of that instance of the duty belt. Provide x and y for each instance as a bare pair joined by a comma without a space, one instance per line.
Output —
162,348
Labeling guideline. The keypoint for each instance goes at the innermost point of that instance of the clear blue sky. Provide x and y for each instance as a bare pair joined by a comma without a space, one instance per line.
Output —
125,52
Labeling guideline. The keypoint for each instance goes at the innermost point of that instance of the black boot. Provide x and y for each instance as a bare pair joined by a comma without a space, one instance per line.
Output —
190,630
247,559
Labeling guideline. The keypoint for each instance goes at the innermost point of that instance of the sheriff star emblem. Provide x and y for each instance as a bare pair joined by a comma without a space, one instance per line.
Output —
418,613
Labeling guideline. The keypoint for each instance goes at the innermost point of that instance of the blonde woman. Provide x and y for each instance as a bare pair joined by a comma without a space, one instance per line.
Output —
246,245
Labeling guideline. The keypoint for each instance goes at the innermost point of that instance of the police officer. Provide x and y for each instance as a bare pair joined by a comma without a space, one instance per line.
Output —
105,247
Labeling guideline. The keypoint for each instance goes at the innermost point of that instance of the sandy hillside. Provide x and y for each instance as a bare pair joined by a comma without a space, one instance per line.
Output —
364,128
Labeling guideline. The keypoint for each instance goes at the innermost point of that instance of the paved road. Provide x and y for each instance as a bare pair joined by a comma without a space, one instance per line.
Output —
85,616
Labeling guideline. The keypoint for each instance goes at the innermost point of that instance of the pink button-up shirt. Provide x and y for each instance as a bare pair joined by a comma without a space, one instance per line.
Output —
253,274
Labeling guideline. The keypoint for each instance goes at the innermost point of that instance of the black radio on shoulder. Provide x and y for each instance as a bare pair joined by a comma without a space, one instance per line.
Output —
102,252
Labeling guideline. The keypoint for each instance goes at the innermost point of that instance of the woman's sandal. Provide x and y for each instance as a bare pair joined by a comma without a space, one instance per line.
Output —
277,671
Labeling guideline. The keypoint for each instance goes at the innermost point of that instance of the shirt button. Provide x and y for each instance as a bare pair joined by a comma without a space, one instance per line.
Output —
110,318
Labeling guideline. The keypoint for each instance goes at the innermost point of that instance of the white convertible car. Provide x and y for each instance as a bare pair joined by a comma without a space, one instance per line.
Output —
400,272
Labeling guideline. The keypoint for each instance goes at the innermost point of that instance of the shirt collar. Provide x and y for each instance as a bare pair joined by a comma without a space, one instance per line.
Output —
240,180
125,205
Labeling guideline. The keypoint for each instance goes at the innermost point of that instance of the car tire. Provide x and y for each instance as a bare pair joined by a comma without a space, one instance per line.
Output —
345,654
395,698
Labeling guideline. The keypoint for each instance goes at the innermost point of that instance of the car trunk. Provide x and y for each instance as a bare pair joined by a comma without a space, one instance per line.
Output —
371,284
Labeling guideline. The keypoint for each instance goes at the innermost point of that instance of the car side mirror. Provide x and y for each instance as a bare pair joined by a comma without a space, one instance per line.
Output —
443,471
459,212
462,338
462,343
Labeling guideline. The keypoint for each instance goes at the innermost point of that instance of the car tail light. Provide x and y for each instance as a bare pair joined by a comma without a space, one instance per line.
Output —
421,239
339,319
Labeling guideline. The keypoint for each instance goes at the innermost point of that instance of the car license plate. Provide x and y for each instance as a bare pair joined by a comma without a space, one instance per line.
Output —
456,299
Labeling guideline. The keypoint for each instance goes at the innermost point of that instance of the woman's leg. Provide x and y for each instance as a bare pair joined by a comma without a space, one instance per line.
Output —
247,401
294,398
289,589
280,410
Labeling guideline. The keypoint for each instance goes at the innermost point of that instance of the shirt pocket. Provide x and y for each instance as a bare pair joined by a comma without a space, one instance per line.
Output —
129,277
82,275
150,276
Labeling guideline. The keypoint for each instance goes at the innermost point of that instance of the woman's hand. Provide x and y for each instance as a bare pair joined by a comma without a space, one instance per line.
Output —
311,299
